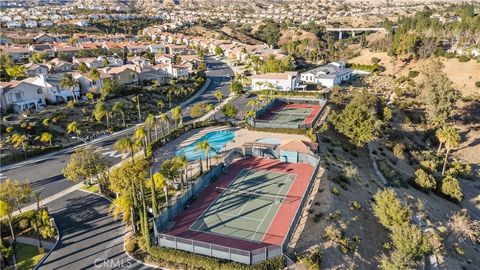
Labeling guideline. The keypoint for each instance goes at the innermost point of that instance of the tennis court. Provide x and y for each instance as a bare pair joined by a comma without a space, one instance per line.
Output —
247,206
290,115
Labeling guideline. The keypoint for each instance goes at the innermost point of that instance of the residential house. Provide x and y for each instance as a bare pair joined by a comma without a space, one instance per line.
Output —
30,24
4,40
177,49
43,38
178,71
66,49
90,62
135,49
13,24
191,61
19,54
45,23
139,61
52,91
156,48
286,81
43,48
113,61
33,70
20,96
153,74
328,75
59,66
165,59
125,75
88,84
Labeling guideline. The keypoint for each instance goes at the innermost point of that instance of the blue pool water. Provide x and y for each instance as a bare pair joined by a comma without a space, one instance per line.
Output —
269,140
216,140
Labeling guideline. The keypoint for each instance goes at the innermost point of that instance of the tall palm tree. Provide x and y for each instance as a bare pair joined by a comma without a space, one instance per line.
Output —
94,74
252,103
125,145
177,116
251,114
118,108
218,95
441,134
123,205
140,136
211,108
74,128
20,141
164,120
183,163
68,82
100,112
47,137
452,140
161,183
204,146
161,104
151,123
170,93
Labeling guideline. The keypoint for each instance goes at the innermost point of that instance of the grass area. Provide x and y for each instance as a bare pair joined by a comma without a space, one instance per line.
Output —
27,256
93,188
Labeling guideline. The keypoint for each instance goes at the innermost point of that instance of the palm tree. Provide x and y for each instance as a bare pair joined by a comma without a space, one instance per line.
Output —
100,112
125,145
90,96
68,82
122,205
441,134
170,93
118,108
452,140
160,182
204,146
183,163
251,114
218,95
139,138
252,103
6,211
211,108
20,141
47,137
164,120
73,128
177,116
151,123
94,74
161,104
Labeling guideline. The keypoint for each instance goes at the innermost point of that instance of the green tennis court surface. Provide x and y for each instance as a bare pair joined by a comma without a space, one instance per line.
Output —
290,115
246,208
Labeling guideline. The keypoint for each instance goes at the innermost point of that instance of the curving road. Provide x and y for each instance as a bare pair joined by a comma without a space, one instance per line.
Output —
89,236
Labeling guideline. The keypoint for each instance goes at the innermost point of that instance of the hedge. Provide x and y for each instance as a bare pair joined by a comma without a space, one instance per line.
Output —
178,259
301,131
9,159
289,93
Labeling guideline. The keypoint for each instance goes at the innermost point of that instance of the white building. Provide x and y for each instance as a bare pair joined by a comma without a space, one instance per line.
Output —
30,24
286,81
52,91
328,75
13,24
20,96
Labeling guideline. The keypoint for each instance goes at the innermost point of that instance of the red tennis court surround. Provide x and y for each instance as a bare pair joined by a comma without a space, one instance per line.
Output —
316,108
281,222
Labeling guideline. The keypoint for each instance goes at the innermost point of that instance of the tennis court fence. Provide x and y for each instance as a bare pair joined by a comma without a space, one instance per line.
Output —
219,251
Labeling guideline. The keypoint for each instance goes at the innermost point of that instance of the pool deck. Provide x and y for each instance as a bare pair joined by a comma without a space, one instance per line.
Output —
242,136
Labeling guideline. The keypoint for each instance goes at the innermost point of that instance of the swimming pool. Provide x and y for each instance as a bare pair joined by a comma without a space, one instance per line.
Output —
216,140
269,140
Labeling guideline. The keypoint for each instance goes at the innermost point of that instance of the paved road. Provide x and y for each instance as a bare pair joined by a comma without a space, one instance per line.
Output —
90,237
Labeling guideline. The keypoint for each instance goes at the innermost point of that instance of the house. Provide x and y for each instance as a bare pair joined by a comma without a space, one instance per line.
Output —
90,62
165,59
80,23
33,70
153,74
43,48
30,24
20,96
192,61
88,84
13,24
136,48
156,48
286,81
4,40
19,54
178,71
328,75
52,91
43,38
177,49
45,23
66,49
125,75
290,150
113,61
139,61
58,66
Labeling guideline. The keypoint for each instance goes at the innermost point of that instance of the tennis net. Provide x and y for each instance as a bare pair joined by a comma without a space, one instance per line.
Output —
257,195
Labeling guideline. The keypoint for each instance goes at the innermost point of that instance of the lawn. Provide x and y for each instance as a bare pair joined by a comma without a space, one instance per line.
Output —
27,256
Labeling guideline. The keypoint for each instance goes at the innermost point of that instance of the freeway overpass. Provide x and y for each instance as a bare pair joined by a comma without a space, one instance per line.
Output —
340,30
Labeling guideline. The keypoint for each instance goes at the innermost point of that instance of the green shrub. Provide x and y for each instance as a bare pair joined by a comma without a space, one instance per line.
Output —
24,224
335,191
463,58
355,205
410,241
177,259
477,84
451,188
332,233
47,231
413,73
389,210
312,259
425,180
130,245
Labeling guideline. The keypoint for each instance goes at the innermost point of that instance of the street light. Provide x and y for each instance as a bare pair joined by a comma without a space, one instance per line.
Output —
80,138
138,107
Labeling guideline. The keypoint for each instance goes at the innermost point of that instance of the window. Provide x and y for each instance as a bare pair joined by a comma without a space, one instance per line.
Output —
39,91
